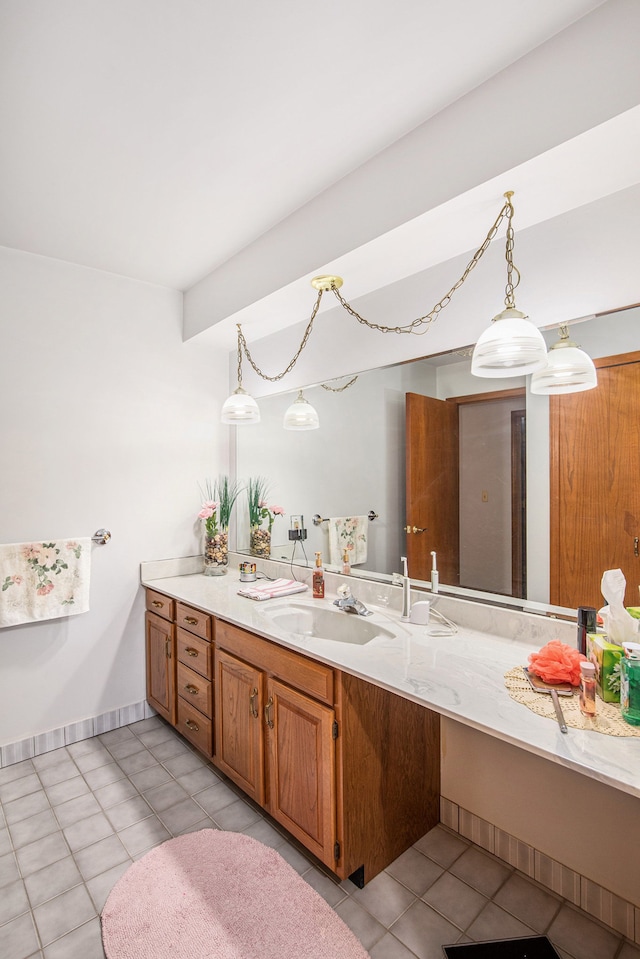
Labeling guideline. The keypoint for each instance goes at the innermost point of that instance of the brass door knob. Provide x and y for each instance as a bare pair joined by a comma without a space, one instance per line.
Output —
414,529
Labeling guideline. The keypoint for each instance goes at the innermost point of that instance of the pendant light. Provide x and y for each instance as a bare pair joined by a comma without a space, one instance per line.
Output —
569,369
301,415
512,345
240,408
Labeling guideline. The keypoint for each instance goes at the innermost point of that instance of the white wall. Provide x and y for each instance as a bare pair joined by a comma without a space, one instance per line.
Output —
108,419
533,799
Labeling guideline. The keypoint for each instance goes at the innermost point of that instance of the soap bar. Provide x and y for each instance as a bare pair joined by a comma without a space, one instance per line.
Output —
606,658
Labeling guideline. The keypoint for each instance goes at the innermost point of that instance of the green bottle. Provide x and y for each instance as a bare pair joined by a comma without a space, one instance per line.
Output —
630,684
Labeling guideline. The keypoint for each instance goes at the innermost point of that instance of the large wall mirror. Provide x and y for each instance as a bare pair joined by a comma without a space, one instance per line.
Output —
505,542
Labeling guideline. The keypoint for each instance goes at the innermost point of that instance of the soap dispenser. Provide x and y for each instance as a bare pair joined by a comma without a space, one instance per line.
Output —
406,590
318,578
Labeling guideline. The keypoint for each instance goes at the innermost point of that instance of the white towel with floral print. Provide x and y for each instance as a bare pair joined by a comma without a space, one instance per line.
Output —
44,580
350,533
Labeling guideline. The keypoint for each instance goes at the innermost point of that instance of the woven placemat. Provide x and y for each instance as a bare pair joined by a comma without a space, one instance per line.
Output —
607,719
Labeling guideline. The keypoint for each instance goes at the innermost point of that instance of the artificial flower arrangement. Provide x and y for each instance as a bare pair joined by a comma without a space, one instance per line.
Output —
259,511
219,500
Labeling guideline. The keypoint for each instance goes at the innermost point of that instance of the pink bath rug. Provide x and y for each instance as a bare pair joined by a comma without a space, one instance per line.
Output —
220,895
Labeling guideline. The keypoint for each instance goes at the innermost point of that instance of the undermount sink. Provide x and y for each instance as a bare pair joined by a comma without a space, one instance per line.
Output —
322,623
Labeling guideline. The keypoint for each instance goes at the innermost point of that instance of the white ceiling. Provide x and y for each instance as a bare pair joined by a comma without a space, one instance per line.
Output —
233,150
157,138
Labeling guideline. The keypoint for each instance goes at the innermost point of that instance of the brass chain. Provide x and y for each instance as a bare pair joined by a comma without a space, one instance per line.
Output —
242,346
421,321
339,389
509,299
428,318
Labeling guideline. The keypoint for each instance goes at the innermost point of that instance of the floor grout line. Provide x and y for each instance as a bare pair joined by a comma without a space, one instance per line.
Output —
161,739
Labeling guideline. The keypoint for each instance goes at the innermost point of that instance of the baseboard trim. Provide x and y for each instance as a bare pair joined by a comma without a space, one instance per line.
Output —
73,733
601,903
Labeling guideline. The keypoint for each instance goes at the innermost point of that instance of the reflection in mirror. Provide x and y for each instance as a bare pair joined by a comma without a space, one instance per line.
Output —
359,461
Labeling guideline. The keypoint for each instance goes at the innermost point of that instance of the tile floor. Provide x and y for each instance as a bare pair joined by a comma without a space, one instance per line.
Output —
73,820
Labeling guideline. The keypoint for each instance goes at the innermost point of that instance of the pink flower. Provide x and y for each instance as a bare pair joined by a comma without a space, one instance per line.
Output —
30,551
263,504
44,590
71,544
208,510
277,510
17,580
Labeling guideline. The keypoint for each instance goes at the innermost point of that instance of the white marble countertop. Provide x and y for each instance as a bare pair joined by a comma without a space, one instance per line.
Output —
459,676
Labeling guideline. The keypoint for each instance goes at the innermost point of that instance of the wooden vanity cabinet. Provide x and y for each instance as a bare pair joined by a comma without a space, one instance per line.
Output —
194,677
351,770
180,667
160,647
274,741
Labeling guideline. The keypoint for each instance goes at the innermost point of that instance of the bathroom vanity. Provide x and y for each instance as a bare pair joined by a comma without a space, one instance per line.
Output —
350,769
420,718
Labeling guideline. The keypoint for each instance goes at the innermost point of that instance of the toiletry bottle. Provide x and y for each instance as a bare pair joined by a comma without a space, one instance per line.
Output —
346,565
630,684
434,572
587,689
318,578
586,624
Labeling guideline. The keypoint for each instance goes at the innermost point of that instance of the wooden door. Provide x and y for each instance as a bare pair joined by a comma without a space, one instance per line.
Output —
301,768
161,666
239,738
432,487
595,485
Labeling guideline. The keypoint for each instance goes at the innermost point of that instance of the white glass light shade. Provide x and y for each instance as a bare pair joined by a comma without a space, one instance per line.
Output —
301,415
511,346
240,408
568,370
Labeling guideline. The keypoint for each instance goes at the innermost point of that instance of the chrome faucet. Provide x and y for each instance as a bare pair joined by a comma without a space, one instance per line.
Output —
348,602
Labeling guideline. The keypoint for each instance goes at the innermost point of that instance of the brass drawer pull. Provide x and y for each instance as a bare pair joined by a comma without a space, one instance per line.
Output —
252,702
157,603
191,620
189,723
267,710
190,688
190,651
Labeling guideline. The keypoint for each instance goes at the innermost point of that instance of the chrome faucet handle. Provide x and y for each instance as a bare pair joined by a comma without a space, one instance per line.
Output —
344,590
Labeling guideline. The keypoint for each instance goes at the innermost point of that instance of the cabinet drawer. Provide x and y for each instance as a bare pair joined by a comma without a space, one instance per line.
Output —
194,652
292,668
195,727
160,605
193,620
194,689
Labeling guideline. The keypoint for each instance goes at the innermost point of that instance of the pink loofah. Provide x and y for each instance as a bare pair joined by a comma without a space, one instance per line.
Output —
557,663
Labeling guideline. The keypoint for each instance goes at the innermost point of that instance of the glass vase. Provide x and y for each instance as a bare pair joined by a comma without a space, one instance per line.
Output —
216,553
260,541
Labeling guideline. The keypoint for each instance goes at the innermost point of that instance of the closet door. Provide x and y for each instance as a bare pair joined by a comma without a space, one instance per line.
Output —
595,485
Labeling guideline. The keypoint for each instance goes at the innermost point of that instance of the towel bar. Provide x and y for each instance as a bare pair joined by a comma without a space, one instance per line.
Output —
317,519
101,536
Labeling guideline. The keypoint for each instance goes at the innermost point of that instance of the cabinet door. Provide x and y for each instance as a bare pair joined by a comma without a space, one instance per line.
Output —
239,736
161,666
301,768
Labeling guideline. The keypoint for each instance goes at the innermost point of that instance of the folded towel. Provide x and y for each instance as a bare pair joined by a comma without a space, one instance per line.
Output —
44,580
348,532
278,587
